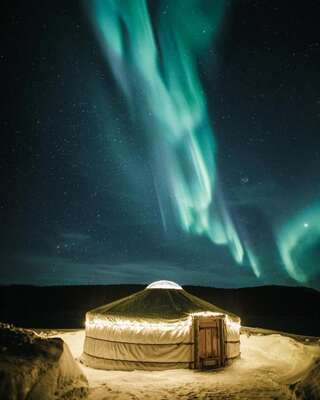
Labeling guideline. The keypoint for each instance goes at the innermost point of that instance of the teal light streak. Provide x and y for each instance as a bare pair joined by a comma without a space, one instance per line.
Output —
295,238
253,262
163,64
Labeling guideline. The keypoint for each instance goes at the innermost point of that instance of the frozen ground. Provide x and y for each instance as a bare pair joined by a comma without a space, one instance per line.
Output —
271,367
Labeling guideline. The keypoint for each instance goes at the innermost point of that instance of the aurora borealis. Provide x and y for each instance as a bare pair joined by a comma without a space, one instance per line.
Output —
296,238
162,140
175,104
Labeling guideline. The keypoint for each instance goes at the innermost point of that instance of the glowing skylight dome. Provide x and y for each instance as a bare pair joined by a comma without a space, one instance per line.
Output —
164,285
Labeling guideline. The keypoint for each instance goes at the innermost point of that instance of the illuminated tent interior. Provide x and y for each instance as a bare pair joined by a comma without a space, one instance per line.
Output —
160,327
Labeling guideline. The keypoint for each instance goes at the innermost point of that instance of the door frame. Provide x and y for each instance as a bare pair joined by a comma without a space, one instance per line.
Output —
221,359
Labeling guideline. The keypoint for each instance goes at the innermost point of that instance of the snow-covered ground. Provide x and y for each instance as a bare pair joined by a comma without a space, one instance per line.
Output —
268,367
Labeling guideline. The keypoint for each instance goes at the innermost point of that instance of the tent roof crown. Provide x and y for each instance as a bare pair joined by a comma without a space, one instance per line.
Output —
164,285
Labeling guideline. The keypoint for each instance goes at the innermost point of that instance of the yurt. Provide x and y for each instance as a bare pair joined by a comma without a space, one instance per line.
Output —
160,327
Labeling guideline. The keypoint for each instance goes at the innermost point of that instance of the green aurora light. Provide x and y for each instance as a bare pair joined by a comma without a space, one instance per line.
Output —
159,60
295,239
175,97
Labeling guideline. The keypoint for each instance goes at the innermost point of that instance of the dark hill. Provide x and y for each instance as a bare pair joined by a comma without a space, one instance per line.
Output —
290,309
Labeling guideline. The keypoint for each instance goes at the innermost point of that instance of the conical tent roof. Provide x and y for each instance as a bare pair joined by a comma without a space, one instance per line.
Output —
165,302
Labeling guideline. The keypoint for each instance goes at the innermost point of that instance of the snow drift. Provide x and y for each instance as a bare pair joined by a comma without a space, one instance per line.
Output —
308,386
35,368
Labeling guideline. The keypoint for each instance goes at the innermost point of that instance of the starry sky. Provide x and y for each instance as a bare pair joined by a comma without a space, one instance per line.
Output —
99,181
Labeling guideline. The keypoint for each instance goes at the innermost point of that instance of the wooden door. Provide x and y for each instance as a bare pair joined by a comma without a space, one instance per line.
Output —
210,343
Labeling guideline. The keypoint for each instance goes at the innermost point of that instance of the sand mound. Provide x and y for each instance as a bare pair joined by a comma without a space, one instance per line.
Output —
35,368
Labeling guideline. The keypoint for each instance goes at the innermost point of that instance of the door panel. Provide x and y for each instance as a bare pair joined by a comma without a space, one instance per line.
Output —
210,342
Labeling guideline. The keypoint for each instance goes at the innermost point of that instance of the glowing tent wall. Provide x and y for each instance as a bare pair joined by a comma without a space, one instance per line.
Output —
112,343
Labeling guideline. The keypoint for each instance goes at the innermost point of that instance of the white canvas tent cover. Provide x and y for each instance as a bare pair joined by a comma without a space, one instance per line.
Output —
151,329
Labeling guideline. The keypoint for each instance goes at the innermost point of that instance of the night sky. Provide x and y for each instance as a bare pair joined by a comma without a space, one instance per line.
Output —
212,180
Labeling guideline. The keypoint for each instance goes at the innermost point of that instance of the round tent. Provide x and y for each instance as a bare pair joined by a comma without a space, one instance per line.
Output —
160,327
